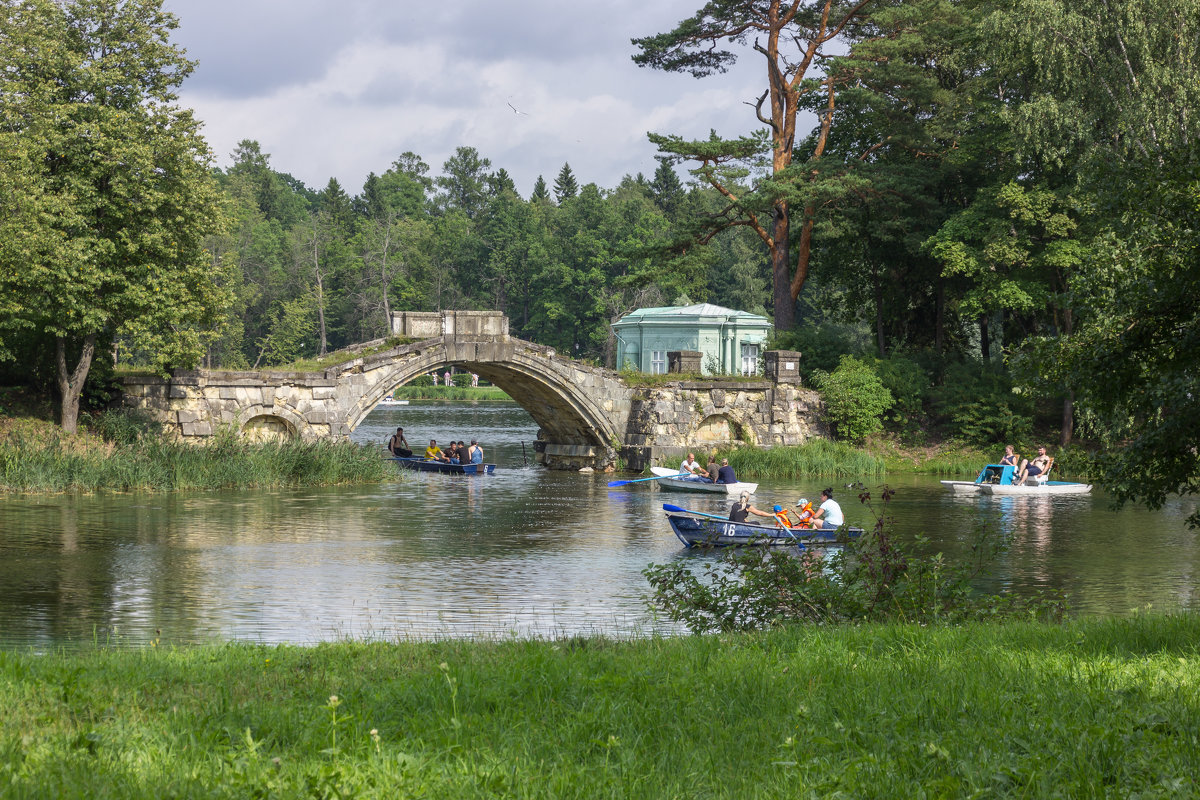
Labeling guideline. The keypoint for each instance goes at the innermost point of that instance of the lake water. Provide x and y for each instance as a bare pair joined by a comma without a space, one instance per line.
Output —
526,551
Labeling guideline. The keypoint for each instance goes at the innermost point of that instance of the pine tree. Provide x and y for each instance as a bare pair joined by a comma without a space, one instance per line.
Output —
540,193
565,185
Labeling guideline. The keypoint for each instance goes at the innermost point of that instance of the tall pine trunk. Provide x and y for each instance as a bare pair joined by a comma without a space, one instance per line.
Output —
70,384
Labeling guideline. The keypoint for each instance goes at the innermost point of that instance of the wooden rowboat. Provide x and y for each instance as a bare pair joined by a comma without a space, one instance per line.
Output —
668,479
421,465
696,529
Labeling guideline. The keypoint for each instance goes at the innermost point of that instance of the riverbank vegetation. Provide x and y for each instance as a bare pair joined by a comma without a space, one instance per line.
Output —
994,218
886,711
117,452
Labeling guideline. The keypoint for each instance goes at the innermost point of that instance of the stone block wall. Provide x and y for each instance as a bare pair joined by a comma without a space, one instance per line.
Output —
666,422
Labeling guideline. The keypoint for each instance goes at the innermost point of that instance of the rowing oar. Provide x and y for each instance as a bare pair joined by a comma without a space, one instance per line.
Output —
669,507
639,480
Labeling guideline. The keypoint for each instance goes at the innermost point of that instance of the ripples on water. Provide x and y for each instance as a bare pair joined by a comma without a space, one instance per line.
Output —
524,552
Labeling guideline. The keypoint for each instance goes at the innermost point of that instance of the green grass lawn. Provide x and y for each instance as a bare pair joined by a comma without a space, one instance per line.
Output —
1086,709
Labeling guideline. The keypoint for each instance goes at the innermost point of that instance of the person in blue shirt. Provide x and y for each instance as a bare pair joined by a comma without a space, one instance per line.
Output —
725,474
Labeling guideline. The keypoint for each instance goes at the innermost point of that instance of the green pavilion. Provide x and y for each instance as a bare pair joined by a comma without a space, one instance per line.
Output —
729,342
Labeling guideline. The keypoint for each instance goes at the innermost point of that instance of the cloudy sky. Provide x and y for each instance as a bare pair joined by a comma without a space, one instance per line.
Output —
342,88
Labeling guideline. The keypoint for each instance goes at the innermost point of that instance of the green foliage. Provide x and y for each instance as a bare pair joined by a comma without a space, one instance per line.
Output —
889,711
910,386
855,399
815,457
979,406
869,579
144,460
821,347
108,236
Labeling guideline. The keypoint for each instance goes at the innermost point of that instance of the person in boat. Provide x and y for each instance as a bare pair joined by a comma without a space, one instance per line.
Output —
725,473
1030,469
739,511
1010,457
806,513
452,452
829,515
475,453
463,456
714,471
694,471
434,453
398,445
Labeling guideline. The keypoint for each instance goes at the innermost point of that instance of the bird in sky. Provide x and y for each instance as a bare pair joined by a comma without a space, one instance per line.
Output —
515,111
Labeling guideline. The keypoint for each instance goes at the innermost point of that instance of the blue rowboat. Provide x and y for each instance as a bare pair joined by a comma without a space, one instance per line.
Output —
421,465
696,529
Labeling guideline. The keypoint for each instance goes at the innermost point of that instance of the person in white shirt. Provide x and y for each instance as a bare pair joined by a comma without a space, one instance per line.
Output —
830,513
695,472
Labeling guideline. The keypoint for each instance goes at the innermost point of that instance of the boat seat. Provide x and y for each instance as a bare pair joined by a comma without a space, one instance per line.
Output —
1045,476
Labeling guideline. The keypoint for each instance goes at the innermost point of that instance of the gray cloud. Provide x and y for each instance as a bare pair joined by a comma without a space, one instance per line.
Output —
342,89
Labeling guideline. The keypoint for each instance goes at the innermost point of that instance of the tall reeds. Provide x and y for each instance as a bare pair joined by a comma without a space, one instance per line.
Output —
817,457
70,464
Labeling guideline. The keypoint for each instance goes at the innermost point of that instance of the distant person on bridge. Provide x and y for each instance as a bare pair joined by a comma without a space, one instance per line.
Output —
398,446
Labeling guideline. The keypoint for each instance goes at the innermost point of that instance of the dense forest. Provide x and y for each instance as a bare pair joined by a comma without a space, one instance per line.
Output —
990,225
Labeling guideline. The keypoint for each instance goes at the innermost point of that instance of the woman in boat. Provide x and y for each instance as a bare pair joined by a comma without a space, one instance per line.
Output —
829,515
475,452
1010,457
742,509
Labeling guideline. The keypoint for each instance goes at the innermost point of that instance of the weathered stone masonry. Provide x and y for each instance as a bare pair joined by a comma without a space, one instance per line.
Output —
587,416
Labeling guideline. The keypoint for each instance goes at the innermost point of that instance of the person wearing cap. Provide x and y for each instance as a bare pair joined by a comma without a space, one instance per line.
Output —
829,515
783,517
742,509
805,514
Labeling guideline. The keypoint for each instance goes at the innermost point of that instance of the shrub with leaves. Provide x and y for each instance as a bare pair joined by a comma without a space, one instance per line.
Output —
869,579
855,399
979,406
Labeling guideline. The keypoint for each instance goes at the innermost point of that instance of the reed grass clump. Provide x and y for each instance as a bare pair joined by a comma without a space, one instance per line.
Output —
816,457
138,459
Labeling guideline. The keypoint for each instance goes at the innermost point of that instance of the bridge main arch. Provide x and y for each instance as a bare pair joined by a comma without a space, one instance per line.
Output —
581,411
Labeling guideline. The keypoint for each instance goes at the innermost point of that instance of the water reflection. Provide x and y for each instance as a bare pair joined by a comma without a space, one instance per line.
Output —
526,551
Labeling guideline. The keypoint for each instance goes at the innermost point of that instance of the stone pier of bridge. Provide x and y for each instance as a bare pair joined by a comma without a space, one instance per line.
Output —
587,416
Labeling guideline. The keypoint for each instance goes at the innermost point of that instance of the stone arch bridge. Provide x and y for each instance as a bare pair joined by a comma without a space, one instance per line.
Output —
588,416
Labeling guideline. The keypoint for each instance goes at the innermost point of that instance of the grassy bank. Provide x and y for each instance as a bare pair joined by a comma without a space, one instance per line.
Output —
820,457
37,457
411,392
1087,709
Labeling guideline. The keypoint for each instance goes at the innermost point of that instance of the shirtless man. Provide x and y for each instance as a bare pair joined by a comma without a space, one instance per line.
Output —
1031,468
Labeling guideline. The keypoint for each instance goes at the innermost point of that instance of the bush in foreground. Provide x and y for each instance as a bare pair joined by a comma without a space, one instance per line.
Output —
869,579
